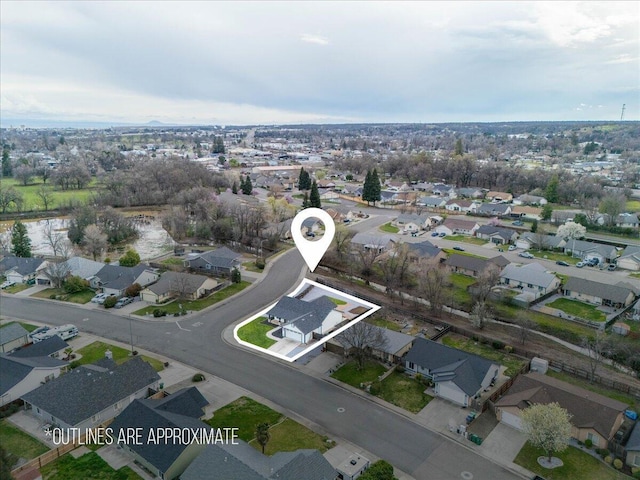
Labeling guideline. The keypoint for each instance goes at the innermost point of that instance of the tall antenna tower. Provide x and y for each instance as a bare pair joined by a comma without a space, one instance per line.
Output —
622,114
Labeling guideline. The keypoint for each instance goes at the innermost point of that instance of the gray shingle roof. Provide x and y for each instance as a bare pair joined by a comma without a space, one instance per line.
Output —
177,281
505,233
464,369
14,370
83,267
243,462
83,392
633,443
372,240
12,332
532,273
493,208
616,293
24,266
306,316
118,277
180,410
467,262
396,341
41,349
221,257
425,249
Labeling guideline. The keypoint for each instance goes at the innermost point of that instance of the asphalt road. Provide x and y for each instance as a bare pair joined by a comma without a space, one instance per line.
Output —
198,342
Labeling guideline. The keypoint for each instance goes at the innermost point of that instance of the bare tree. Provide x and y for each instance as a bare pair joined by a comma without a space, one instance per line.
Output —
53,238
57,271
594,347
24,173
341,240
479,315
46,196
361,340
368,257
395,268
432,283
525,325
181,285
487,279
94,241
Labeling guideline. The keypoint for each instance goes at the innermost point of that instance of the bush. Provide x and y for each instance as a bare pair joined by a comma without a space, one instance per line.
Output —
375,388
608,459
133,290
508,349
107,260
260,263
53,296
380,470
236,277
617,464
159,313
110,301
400,368
198,377
603,452
588,443
497,345
75,284
130,258
637,474
635,470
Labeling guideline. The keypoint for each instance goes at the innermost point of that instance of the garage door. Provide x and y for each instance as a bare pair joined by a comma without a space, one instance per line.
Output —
451,392
511,420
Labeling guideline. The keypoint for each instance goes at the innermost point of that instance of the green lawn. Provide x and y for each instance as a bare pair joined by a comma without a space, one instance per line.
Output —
461,296
87,467
381,322
578,309
554,256
289,436
451,251
337,301
81,297
350,374
28,327
403,391
18,287
59,197
95,351
388,228
512,363
632,206
244,414
18,443
251,266
173,261
466,239
596,388
578,465
195,305
255,332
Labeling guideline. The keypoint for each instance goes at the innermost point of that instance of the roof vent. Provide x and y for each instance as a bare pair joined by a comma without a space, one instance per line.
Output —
353,462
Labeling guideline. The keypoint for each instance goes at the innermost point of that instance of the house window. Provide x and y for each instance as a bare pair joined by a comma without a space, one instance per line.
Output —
594,438
412,366
95,418
636,460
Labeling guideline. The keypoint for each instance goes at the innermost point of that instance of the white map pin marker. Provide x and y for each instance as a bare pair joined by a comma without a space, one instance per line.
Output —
312,252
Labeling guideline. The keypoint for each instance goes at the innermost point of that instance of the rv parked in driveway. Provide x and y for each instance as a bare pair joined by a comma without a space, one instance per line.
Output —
65,332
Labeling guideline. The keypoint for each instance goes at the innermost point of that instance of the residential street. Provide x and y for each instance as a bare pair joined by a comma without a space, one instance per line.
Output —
197,341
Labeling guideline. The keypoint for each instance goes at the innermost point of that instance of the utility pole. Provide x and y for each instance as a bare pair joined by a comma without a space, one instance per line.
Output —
622,114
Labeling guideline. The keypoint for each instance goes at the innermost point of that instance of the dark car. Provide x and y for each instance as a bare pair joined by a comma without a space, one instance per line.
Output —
612,267
518,223
562,263
460,249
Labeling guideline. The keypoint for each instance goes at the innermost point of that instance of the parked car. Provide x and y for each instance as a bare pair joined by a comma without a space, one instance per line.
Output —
98,297
101,301
593,262
460,249
562,263
123,301
442,234
7,284
37,331
612,267
580,264
512,248
434,234
525,255
310,234
518,223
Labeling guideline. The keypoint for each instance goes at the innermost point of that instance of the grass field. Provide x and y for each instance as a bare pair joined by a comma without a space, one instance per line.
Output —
554,256
251,267
195,305
402,391
28,327
289,435
81,297
95,351
388,228
245,414
578,309
18,443
465,239
578,465
350,374
381,322
632,205
337,301
512,363
255,332
59,197
173,261
87,467
18,287
451,251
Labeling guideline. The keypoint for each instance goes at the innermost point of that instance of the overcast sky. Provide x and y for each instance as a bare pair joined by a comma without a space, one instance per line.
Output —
306,62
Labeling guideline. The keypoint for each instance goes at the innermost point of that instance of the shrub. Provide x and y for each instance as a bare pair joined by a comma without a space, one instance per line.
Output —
603,452
260,263
53,296
508,349
637,475
400,368
497,345
130,258
617,464
198,377
177,314
236,277
588,443
107,260
110,301
608,459
133,290
375,388
159,313
635,470
75,284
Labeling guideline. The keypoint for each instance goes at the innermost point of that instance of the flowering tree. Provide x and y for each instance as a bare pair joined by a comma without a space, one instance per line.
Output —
547,426
571,230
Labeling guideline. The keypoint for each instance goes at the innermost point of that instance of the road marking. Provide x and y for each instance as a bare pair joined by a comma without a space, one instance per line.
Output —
85,319
466,475
197,324
185,329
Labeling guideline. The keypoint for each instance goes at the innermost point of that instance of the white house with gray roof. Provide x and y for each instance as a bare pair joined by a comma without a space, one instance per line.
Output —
21,270
532,278
12,336
630,258
619,295
457,376
92,394
115,279
300,319
368,241
588,250
220,261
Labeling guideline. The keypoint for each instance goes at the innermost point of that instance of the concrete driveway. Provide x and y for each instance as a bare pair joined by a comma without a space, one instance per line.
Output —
503,444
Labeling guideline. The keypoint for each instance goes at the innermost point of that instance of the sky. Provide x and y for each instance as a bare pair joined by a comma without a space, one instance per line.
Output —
267,62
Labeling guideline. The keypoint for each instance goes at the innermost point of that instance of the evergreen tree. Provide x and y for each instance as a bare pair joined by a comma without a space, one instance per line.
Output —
130,259
366,188
376,188
7,169
305,201
551,193
534,226
314,196
20,241
459,149
546,213
304,180
247,187
234,188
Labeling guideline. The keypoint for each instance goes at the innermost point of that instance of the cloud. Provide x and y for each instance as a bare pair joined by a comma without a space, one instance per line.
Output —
315,39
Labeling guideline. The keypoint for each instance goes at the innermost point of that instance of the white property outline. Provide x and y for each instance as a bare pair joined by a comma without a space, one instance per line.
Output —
306,282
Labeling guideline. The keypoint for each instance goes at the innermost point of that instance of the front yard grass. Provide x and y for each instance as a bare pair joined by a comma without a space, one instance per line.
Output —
87,467
255,332
578,465
402,391
383,323
512,363
451,251
553,256
337,301
80,297
251,267
578,309
95,351
388,228
196,305
18,443
350,374
177,261
18,287
289,435
466,239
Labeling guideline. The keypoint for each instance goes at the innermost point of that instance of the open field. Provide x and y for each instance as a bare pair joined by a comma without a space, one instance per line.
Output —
87,467
59,197
402,391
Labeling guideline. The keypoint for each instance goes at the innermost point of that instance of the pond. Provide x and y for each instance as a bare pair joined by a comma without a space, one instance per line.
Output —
152,241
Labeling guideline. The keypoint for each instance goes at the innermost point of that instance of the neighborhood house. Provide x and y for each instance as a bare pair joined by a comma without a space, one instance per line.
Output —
300,320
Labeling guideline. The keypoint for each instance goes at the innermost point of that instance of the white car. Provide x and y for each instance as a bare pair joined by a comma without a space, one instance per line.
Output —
525,255
7,284
98,298
512,248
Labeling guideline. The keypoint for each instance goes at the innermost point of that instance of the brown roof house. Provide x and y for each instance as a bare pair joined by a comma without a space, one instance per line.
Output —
593,417
454,226
473,266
